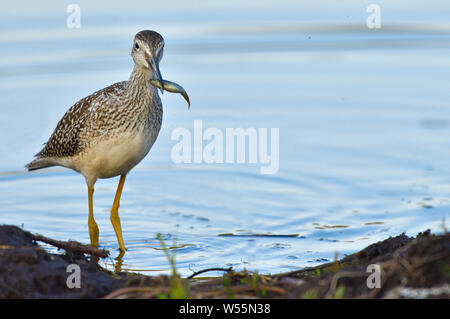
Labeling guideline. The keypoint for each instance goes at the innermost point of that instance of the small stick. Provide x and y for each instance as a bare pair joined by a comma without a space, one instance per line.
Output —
73,246
124,292
209,269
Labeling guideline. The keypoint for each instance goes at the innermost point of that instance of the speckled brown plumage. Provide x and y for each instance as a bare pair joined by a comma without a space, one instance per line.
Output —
128,106
69,136
102,113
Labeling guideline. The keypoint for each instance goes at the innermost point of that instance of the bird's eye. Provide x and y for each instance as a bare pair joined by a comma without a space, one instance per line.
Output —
136,46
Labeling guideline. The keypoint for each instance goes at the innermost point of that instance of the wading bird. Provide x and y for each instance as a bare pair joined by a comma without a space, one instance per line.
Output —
110,131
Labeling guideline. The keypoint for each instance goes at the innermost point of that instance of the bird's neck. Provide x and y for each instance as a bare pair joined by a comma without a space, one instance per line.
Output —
139,87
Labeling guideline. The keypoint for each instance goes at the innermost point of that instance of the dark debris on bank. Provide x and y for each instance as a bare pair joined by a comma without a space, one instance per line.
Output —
409,268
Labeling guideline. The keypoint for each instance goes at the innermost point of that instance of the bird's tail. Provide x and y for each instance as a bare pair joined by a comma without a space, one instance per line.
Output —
40,162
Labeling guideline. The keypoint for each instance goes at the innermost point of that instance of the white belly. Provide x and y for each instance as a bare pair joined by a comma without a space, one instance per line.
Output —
114,156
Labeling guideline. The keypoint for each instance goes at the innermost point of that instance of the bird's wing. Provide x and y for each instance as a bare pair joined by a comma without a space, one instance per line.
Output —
71,132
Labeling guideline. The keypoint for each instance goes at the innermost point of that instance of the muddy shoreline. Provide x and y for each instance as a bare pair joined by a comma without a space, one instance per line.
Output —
402,267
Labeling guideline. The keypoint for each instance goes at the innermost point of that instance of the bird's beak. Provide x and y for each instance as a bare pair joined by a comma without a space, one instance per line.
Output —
155,67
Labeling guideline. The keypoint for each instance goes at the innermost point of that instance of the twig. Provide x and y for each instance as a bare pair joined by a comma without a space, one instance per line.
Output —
261,287
241,289
72,246
123,293
209,269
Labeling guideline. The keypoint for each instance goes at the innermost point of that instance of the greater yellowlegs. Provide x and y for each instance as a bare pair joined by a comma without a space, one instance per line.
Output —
110,131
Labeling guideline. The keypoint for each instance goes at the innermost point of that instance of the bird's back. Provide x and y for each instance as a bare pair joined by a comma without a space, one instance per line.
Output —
83,122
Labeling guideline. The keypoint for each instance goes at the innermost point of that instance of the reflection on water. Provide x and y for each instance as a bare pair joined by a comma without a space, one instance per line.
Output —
363,119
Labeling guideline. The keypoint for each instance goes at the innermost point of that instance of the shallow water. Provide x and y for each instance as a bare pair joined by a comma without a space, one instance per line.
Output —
363,117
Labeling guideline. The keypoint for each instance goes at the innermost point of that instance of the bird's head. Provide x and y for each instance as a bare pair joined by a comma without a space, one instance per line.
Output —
147,52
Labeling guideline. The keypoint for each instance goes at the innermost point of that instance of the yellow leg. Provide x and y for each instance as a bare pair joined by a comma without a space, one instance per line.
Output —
115,220
93,228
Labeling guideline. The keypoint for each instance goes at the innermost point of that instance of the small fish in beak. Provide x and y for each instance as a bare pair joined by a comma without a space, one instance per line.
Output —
171,87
